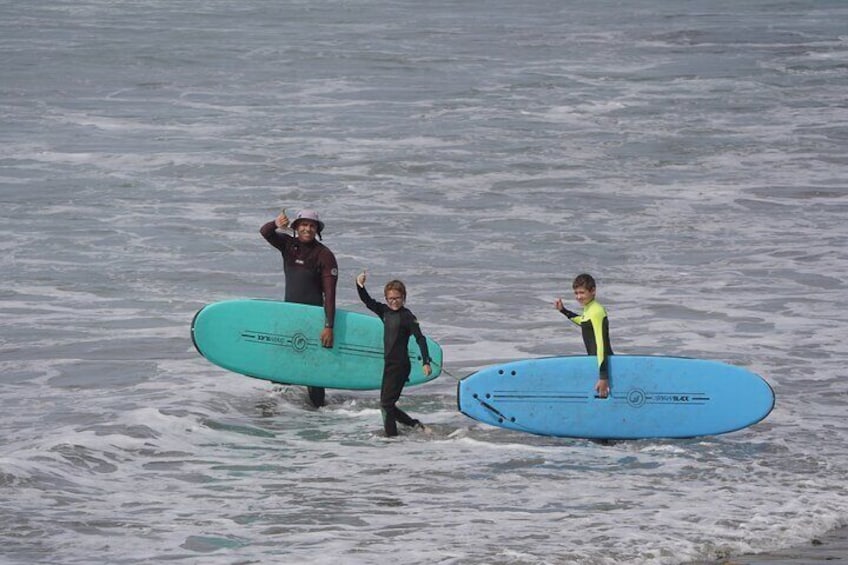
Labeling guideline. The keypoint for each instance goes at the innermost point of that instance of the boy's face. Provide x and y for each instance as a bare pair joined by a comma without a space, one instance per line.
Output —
394,299
583,295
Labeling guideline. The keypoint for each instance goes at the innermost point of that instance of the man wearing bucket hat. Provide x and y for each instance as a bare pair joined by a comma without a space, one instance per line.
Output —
310,270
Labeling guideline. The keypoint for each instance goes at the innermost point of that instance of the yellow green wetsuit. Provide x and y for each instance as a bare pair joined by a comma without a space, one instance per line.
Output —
595,326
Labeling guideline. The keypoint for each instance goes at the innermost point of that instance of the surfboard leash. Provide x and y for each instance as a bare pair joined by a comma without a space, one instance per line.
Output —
445,371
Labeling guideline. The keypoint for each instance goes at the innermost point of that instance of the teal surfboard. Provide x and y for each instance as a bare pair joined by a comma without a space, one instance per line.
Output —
279,342
651,397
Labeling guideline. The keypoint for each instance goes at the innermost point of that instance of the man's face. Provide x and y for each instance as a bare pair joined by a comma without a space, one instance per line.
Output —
305,230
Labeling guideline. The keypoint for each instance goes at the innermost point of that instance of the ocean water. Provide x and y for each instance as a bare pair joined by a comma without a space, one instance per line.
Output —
690,154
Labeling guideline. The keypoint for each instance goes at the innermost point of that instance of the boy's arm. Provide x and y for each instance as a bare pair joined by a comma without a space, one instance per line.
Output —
573,316
422,342
568,313
369,302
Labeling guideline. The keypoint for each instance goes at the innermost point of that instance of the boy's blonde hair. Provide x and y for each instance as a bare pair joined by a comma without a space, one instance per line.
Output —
395,285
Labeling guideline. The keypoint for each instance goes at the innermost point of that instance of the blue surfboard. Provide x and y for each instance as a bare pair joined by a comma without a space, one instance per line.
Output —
279,342
651,397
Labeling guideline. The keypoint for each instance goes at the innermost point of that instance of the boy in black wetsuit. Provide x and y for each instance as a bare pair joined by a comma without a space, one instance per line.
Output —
399,323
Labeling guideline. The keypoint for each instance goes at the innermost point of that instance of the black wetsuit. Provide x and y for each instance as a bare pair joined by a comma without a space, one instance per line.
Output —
311,274
398,326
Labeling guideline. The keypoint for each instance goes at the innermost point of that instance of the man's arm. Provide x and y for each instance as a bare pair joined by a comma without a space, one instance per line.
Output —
269,232
329,281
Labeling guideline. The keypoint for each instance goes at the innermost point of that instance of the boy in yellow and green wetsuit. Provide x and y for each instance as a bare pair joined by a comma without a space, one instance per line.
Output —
595,326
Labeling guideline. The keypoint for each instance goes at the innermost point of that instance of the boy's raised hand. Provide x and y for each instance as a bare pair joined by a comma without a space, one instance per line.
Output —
360,278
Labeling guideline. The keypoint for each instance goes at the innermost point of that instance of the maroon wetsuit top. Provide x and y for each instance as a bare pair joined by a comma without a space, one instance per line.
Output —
310,268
